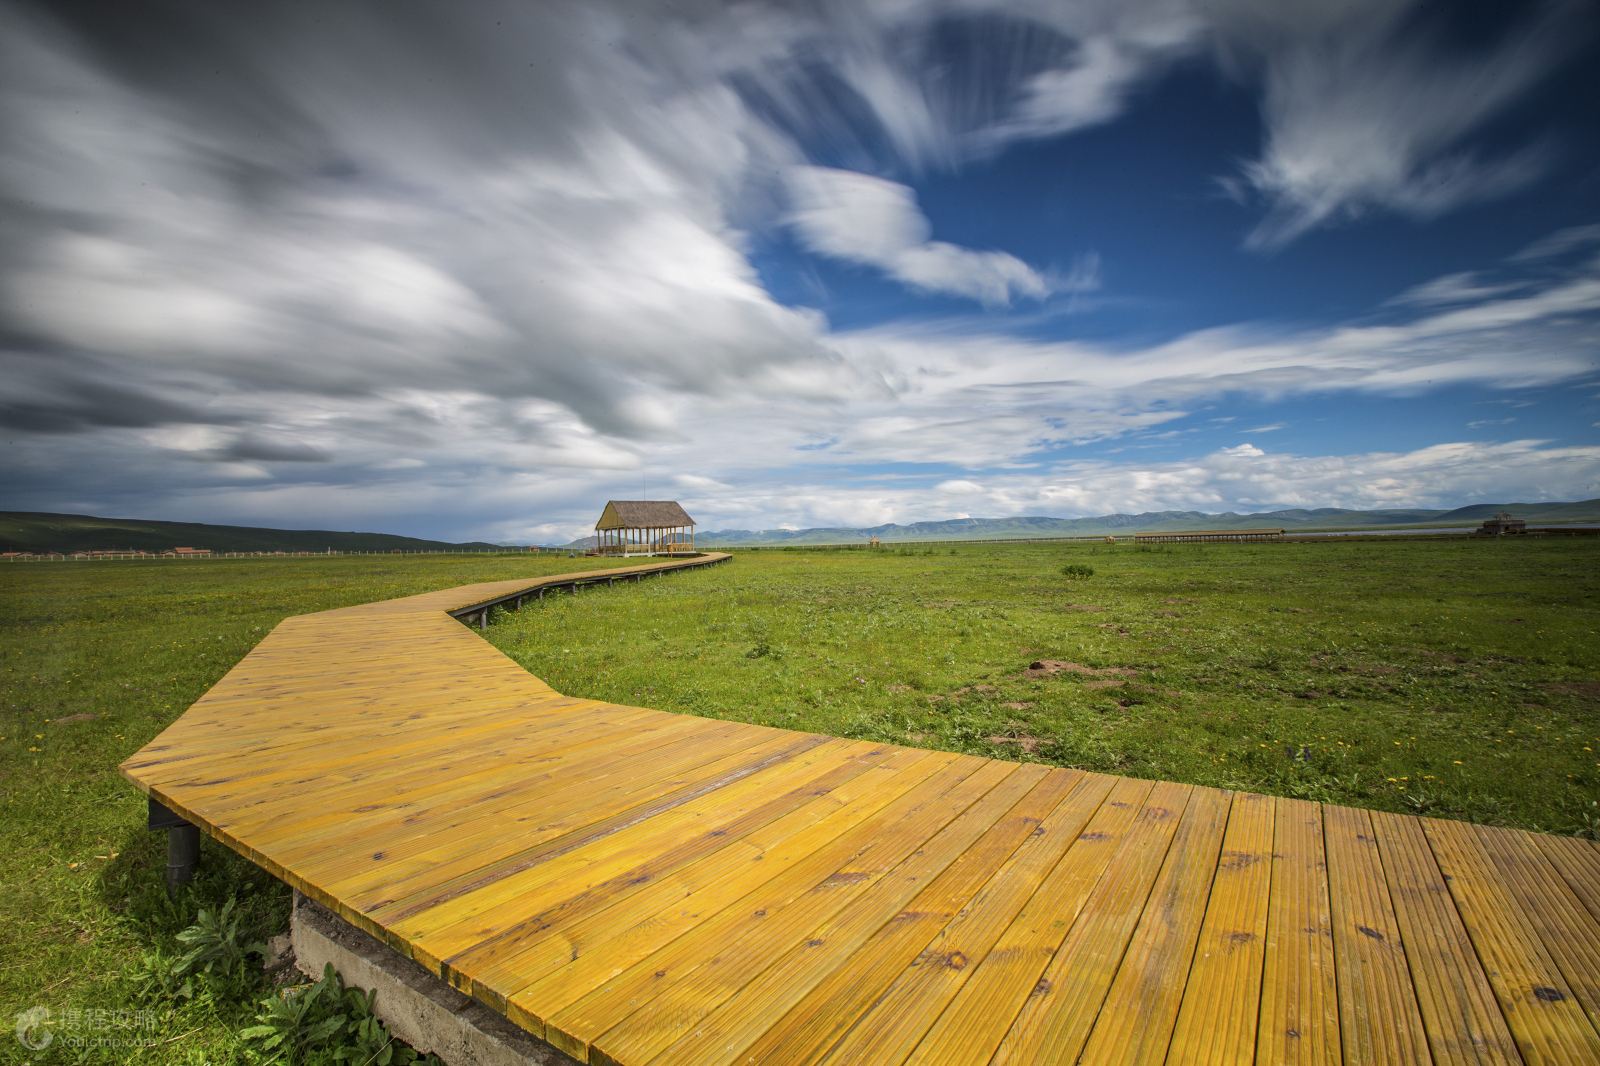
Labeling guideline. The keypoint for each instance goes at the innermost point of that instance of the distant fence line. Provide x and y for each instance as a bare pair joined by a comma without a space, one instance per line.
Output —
1098,538
1196,536
881,545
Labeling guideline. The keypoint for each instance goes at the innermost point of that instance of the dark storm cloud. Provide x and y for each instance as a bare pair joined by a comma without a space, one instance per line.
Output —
64,399
254,448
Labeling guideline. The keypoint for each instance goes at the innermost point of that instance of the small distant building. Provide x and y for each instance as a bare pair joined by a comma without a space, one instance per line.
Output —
644,527
189,553
1501,524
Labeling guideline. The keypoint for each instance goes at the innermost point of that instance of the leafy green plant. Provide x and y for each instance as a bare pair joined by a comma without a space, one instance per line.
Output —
160,977
215,944
1589,820
298,1020
1077,570
325,1022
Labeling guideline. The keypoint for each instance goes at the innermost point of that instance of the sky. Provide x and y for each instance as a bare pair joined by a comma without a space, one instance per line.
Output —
467,271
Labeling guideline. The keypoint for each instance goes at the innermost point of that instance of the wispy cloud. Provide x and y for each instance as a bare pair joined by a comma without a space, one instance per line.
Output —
1559,243
864,219
1365,112
1460,288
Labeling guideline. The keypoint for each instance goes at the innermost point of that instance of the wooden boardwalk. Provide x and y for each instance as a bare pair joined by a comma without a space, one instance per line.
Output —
637,886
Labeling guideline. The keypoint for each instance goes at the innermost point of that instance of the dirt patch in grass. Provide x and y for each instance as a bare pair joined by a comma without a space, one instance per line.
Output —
1025,742
964,690
1048,667
1589,690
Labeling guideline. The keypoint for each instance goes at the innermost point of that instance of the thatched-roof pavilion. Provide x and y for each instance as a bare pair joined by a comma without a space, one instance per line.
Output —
644,527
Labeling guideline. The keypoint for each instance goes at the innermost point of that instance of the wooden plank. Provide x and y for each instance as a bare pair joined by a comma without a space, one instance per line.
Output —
674,1007
1136,1020
1545,1018
1378,1015
647,915
415,868
818,986
736,935
367,793
1299,1000
1578,862
470,913
1218,1019
1556,913
1080,946
884,1026
438,808
1459,1012
815,857
1055,1021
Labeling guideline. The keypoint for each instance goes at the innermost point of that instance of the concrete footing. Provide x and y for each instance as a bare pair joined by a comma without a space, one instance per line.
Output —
417,1007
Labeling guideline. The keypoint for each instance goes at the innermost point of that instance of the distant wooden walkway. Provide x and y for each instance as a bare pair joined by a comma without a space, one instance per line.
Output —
1196,535
637,886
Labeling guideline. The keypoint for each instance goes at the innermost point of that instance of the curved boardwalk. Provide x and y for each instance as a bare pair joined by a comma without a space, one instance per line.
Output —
637,886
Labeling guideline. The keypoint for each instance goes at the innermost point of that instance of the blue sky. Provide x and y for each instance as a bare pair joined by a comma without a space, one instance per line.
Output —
469,272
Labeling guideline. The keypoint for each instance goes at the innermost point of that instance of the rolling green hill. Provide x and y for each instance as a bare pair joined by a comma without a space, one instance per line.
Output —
1301,519
42,532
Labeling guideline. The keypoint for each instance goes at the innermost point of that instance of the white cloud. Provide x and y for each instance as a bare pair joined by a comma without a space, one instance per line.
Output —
1271,427
699,483
1042,68
1459,288
1363,112
1231,479
1559,243
1013,397
869,220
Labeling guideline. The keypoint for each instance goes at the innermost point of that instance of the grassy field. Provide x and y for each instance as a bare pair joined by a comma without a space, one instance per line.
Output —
1446,677
1459,678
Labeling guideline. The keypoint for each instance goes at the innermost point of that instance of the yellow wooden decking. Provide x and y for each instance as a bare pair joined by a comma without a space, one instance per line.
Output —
637,886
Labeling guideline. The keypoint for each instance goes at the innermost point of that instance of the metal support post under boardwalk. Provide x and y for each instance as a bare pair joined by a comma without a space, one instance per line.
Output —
183,844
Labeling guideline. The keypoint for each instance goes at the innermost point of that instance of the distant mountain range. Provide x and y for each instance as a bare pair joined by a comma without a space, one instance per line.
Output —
42,532
35,531
1297,518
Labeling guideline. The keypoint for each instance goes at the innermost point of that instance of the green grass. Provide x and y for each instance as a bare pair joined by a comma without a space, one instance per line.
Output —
1466,671
132,644
1449,677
